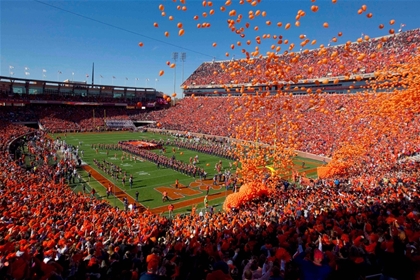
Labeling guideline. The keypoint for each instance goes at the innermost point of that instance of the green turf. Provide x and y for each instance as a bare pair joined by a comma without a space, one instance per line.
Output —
146,175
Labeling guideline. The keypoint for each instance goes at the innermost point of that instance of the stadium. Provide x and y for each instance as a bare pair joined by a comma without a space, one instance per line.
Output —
295,165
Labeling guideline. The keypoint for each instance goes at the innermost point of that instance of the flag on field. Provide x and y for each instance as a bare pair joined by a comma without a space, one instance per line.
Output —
113,77
101,76
59,72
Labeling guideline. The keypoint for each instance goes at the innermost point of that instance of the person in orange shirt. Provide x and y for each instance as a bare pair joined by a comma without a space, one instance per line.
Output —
170,210
165,196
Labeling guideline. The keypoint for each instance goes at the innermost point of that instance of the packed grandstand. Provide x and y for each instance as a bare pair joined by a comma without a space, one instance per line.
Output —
360,223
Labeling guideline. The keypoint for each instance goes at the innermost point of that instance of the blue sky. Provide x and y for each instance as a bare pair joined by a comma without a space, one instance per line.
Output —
68,36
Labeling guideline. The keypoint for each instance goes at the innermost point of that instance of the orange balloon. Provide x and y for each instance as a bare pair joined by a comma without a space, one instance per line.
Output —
181,32
141,44
173,94
381,26
214,45
163,14
155,24
171,17
325,25
161,7
340,34
391,31
166,33
334,1
184,8
364,8
369,15
391,21
360,11
287,26
279,24
179,25
314,8
161,72
195,17
172,65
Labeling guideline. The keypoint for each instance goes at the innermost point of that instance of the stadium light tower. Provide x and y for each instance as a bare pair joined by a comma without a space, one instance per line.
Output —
183,58
175,57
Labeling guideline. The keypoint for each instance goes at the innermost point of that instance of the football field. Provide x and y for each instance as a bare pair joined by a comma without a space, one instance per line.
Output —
149,180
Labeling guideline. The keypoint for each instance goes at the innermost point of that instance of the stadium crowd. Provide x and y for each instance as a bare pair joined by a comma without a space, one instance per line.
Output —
398,47
354,227
361,226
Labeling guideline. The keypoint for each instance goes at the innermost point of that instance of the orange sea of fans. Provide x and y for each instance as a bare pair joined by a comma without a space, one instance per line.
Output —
365,223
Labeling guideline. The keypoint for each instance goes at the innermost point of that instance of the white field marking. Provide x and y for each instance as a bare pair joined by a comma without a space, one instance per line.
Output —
142,173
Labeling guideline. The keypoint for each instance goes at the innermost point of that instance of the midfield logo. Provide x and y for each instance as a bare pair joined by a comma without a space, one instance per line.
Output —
194,188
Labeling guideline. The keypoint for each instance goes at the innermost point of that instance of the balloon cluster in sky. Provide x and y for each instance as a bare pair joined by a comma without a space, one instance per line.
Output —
268,127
